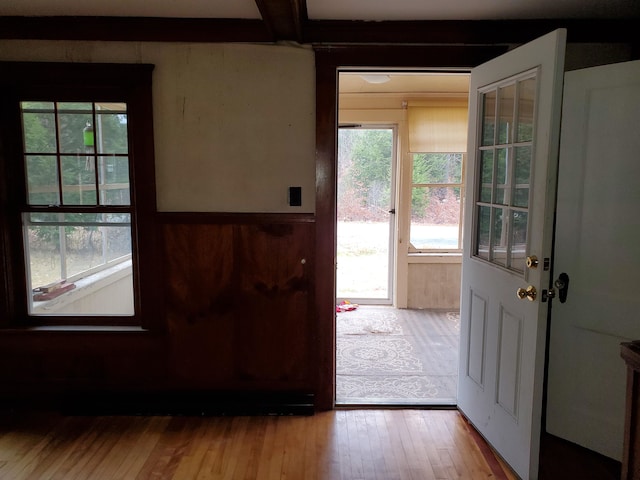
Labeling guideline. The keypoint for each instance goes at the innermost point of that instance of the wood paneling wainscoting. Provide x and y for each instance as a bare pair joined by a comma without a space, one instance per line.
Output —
236,315
239,301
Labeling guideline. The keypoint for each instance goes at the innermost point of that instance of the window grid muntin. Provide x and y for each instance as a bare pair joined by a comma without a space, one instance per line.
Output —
509,209
59,153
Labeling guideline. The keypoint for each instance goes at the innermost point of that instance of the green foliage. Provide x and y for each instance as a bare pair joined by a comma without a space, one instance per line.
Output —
432,203
364,176
47,134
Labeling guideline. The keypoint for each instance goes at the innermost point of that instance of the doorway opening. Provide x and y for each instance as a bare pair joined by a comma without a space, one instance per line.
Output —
401,148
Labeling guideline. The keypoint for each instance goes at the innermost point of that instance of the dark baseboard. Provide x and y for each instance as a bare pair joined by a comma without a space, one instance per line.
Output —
174,403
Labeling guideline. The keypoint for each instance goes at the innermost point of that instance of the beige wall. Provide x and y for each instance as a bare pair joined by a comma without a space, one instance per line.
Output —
234,124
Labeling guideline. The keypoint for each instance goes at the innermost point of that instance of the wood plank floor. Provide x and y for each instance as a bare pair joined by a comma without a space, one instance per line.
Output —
341,444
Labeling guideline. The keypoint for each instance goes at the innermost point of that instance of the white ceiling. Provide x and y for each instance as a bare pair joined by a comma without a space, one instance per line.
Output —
404,83
374,10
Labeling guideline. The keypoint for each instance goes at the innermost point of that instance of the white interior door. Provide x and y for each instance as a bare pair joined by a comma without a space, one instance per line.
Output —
514,112
597,246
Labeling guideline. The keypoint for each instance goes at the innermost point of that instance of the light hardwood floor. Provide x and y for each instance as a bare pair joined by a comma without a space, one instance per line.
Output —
341,444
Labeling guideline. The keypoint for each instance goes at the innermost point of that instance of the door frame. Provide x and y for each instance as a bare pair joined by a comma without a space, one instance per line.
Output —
328,61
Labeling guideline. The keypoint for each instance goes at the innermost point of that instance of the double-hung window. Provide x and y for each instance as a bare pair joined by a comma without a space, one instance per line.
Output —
436,207
77,149
437,143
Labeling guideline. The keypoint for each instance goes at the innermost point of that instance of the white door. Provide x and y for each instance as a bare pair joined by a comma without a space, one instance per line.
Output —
598,247
514,113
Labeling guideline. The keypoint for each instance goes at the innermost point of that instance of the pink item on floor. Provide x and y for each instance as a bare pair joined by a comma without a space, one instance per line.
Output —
346,306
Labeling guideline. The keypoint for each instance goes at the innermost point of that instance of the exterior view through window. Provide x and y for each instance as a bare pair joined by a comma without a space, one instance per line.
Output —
77,225
435,202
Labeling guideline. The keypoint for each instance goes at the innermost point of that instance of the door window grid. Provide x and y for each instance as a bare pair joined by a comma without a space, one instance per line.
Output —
504,172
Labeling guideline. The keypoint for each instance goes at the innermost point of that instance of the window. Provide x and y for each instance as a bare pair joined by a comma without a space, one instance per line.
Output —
502,199
436,207
438,142
77,139
79,220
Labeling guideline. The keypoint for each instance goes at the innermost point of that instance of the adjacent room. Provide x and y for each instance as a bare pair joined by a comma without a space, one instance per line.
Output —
401,152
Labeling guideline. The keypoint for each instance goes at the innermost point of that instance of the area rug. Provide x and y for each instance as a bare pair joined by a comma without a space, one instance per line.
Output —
376,355
386,388
385,355
368,322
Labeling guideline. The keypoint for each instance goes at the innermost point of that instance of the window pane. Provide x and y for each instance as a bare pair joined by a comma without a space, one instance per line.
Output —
435,216
489,117
502,169
76,133
79,269
44,260
90,247
484,222
113,174
499,237
65,106
486,169
526,102
112,133
522,176
39,131
78,180
437,168
518,240
505,108
42,180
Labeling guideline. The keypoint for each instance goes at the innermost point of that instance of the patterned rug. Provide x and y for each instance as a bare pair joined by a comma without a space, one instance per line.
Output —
385,355
367,321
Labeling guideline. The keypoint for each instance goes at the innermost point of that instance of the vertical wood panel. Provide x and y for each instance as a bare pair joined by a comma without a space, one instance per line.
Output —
200,301
238,304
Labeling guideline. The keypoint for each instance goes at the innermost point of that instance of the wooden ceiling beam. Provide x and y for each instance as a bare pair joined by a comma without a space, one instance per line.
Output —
287,20
140,29
283,18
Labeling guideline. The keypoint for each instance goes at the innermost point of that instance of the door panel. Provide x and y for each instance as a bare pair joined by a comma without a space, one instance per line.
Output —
513,145
597,233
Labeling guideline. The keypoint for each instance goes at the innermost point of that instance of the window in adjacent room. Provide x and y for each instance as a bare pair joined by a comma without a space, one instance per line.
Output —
437,142
436,207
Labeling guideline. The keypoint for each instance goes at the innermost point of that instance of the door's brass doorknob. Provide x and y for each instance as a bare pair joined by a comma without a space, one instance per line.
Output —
529,293
532,261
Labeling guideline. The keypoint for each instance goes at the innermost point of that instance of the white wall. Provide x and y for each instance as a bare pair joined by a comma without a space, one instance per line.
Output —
234,124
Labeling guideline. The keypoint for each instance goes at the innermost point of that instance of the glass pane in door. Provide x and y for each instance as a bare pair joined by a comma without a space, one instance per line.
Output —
504,172
365,196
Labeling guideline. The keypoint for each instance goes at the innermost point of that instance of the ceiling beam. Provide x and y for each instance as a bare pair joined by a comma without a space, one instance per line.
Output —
296,27
283,18
141,29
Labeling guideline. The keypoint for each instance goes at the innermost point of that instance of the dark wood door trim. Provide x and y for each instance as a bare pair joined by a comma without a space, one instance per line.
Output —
328,61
